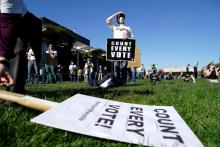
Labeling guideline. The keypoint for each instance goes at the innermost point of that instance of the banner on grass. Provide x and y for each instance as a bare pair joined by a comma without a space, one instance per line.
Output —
120,49
132,123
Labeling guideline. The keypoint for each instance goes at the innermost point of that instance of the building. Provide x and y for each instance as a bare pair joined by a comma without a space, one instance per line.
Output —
65,40
70,46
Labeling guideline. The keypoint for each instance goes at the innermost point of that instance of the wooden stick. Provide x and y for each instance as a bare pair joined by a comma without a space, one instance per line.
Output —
27,101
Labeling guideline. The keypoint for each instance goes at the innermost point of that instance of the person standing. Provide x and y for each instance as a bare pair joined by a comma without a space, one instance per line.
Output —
189,75
59,73
195,71
42,74
32,63
79,75
154,68
50,64
120,31
88,68
18,28
73,71
100,72
104,71
187,69
142,71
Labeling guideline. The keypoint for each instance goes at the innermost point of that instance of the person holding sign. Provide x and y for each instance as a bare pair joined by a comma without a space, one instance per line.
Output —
120,31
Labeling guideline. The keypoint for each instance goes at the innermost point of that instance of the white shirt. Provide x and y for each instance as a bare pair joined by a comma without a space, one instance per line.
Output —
31,55
121,31
13,6
88,67
54,52
72,67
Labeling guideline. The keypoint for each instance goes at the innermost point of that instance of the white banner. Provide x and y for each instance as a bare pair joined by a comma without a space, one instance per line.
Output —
132,123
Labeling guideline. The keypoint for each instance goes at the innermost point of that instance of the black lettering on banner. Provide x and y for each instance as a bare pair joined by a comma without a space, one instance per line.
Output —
88,111
164,121
135,121
119,49
113,116
135,117
106,122
162,115
168,128
107,119
176,138
160,110
137,131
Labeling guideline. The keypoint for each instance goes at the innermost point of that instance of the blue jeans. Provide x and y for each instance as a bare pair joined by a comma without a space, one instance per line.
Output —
89,75
73,77
48,68
133,75
32,63
120,71
142,75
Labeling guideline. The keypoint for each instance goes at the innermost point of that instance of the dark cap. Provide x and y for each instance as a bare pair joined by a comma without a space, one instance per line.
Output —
120,15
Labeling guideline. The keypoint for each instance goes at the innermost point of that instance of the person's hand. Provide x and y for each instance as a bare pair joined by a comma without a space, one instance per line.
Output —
5,78
124,38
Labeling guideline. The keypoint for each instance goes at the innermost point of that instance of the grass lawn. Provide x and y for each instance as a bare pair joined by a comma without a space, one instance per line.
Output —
198,104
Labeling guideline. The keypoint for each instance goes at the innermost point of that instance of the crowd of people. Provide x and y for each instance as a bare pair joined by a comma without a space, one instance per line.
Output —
52,71
20,39
208,72
119,71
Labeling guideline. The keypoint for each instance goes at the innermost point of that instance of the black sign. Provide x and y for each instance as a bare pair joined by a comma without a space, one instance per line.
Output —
120,49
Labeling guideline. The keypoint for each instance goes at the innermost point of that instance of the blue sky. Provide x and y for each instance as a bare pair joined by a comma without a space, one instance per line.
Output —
170,33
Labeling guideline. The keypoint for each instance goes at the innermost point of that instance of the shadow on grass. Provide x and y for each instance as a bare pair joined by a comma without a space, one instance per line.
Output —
91,91
144,92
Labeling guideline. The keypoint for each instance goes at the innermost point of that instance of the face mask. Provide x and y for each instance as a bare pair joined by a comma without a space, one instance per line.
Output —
121,20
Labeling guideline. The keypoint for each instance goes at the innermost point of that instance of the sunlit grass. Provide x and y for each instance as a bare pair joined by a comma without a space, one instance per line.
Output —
198,104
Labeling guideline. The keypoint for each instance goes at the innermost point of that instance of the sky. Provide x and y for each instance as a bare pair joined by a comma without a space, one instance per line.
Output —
169,33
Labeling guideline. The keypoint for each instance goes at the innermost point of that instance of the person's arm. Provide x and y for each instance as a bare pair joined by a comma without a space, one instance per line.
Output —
110,18
53,54
131,32
85,66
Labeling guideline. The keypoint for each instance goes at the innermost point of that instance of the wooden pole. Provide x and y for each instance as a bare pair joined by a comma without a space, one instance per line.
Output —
27,101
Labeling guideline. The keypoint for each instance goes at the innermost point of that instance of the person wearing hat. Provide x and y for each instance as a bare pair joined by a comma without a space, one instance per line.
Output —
120,31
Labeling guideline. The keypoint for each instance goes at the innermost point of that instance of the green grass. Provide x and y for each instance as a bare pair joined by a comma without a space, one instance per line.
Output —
198,104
